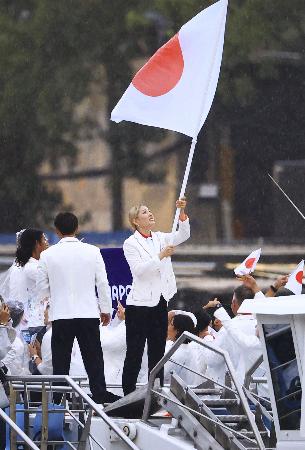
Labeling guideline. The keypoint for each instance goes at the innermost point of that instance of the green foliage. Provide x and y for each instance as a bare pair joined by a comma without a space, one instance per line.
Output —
51,51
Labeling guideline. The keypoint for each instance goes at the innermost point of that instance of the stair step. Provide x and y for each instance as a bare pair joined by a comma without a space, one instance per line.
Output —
200,392
232,418
250,434
220,402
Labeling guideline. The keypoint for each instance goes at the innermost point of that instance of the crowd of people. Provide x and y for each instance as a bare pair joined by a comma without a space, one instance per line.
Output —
55,313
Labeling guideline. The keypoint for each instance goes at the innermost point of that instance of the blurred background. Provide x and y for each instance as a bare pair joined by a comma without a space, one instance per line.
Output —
64,66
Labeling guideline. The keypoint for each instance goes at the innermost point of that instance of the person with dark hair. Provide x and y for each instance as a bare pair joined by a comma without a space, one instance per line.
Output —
203,324
202,330
238,338
184,356
274,290
72,271
18,283
30,243
66,223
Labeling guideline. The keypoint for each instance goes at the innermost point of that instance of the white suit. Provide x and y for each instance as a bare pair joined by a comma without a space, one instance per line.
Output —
17,359
152,277
67,273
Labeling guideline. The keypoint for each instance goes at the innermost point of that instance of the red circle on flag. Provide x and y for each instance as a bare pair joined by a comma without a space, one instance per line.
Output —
249,263
299,277
162,72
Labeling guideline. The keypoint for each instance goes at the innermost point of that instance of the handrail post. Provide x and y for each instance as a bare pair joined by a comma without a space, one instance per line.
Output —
252,369
13,434
44,418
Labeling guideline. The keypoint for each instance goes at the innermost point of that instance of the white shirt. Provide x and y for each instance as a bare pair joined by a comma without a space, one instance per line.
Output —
68,273
35,308
17,284
7,336
239,339
46,366
184,356
201,356
18,358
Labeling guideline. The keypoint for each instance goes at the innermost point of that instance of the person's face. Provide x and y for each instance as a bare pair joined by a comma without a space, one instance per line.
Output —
43,244
171,332
234,305
217,324
145,218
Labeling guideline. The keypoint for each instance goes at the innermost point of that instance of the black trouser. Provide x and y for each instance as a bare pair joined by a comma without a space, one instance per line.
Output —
143,323
87,333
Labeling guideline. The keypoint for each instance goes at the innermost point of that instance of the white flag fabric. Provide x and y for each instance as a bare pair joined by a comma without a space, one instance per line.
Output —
249,264
294,283
176,87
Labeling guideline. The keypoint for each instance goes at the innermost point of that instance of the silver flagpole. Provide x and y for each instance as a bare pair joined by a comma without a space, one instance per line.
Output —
288,198
194,138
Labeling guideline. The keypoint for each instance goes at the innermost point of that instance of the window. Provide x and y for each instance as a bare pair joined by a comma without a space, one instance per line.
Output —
285,374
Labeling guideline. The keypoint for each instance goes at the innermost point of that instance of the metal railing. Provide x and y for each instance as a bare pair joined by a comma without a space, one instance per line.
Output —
44,384
239,389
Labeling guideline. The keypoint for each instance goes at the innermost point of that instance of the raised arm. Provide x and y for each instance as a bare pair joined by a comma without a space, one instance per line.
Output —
183,233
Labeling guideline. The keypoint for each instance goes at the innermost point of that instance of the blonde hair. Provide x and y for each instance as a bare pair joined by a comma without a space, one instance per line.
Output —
133,214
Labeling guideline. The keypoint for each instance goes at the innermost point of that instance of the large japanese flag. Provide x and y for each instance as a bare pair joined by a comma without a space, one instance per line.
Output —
294,283
249,264
176,87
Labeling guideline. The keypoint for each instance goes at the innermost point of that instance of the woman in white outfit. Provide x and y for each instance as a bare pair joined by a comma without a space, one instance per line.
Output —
177,324
30,245
202,330
149,254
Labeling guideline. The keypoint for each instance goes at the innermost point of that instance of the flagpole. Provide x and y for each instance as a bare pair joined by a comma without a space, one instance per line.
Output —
185,180
194,139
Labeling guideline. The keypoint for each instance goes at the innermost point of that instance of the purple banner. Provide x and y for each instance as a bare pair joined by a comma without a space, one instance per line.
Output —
119,275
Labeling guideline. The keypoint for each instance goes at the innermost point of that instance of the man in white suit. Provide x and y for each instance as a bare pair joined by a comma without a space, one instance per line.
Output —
148,255
68,274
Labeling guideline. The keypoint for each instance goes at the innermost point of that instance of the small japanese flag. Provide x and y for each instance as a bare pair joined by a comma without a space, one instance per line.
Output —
294,283
249,264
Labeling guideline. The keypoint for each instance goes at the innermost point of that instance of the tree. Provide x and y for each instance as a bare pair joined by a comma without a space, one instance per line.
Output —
51,52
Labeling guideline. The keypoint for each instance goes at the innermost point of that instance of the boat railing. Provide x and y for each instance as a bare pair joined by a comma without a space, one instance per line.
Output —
81,411
238,391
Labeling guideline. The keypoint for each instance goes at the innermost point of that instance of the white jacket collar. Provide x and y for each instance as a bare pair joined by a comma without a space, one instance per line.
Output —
144,244
68,239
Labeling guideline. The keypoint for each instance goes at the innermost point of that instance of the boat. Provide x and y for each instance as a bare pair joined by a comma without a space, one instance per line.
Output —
209,416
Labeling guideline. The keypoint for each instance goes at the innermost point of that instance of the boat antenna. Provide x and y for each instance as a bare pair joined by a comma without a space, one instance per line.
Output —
288,198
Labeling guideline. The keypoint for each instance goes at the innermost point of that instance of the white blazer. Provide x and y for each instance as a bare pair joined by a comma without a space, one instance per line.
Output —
238,338
152,277
68,273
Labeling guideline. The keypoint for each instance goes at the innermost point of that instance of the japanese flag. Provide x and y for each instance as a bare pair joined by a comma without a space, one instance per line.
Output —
249,264
294,283
176,87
